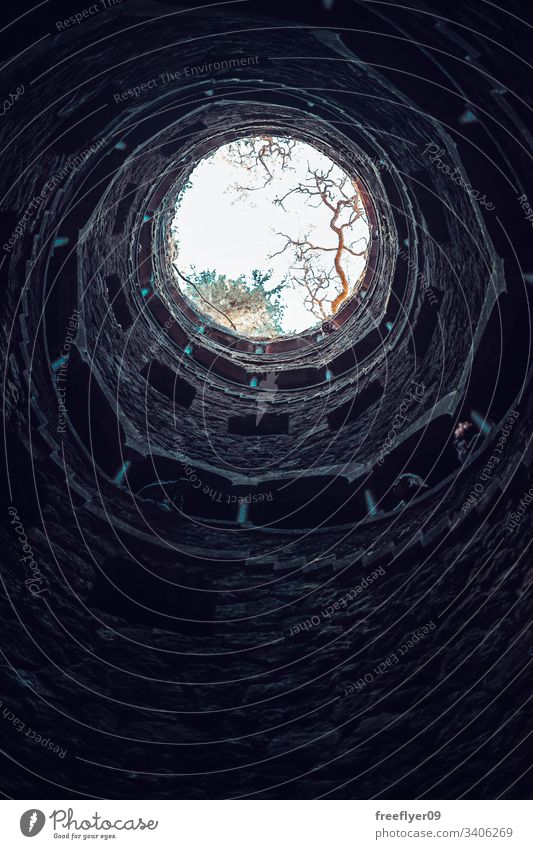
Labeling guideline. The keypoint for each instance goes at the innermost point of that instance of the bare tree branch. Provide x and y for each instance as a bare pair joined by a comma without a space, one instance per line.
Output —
259,150
321,187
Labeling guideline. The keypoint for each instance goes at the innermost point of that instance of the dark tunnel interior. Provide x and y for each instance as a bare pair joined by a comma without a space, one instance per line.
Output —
210,534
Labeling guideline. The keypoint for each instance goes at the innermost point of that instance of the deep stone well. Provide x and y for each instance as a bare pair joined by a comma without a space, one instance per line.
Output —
158,644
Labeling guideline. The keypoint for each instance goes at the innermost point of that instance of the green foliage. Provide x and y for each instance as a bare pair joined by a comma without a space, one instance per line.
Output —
246,306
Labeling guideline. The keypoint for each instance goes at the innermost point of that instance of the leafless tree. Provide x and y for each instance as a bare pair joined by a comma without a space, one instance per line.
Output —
342,197
315,268
261,151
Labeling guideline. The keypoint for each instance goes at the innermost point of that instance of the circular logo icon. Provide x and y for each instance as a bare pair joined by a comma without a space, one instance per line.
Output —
32,822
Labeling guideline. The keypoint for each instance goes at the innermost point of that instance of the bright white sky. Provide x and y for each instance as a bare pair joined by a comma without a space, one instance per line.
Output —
218,227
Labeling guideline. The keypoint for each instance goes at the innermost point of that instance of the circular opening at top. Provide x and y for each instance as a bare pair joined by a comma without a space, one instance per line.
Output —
269,237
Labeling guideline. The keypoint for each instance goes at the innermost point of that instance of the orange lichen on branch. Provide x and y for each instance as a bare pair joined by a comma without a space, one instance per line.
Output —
325,189
335,190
